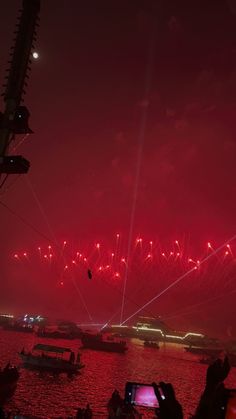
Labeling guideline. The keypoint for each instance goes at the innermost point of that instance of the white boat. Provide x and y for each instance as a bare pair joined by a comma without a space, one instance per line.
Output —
54,358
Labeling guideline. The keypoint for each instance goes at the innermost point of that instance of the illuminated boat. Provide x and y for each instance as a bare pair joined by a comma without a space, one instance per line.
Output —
154,328
98,343
8,382
49,357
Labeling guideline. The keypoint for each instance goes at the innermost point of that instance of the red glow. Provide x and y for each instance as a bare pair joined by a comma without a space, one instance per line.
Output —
110,266
64,243
61,283
176,242
151,243
49,247
25,254
228,246
209,245
117,236
98,245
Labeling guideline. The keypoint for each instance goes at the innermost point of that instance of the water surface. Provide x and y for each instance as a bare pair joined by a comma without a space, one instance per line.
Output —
52,396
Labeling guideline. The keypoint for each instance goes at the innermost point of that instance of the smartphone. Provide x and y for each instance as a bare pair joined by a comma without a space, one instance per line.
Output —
138,394
230,408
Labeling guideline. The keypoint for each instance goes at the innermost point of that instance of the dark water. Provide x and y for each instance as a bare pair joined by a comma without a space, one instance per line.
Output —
47,396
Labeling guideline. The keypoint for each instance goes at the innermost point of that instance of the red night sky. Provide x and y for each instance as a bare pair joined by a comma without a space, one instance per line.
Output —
133,107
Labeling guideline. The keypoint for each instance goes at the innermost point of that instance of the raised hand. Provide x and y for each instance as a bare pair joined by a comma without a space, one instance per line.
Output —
217,372
169,408
215,394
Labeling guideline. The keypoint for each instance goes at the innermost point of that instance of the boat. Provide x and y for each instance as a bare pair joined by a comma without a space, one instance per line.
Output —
203,351
154,328
8,382
49,357
56,334
98,343
151,344
16,327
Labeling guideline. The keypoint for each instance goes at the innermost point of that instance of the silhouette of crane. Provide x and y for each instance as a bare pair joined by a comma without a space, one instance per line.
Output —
14,118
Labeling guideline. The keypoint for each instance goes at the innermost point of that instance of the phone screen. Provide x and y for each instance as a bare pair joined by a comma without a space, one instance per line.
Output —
141,395
231,406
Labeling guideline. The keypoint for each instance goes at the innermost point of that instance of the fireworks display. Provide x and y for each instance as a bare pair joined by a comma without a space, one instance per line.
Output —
96,269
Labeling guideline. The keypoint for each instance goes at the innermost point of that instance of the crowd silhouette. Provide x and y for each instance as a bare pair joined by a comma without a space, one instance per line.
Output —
211,404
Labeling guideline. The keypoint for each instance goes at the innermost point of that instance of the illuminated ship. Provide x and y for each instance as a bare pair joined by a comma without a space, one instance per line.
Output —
25,323
98,343
6,319
154,328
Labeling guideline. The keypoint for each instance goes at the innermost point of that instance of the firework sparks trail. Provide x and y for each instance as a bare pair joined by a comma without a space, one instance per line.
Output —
214,252
154,269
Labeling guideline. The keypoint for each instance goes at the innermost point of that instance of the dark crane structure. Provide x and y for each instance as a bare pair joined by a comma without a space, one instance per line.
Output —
14,118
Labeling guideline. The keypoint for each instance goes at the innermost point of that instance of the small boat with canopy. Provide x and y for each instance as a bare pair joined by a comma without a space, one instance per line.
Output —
54,358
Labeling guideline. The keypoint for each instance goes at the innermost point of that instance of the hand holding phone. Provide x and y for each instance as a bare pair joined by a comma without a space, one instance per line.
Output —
161,397
139,394
169,407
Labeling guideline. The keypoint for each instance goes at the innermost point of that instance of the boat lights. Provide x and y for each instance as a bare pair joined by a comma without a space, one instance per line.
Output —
162,333
8,316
